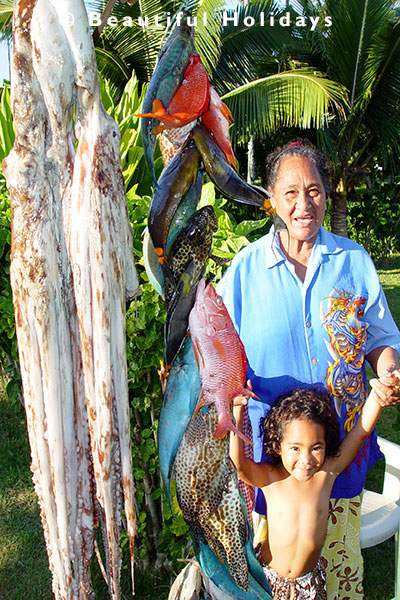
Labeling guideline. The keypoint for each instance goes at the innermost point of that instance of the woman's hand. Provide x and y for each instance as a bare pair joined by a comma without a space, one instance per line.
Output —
387,388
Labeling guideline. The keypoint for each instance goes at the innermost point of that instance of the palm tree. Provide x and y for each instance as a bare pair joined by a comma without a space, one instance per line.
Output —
250,65
361,50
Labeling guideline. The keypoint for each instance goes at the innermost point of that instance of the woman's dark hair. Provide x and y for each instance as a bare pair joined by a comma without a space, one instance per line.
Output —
312,404
298,147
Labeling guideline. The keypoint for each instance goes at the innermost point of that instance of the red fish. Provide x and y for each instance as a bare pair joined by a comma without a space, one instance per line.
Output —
217,119
189,101
220,357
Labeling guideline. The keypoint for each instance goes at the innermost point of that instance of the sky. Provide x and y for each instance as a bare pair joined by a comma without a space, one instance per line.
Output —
4,72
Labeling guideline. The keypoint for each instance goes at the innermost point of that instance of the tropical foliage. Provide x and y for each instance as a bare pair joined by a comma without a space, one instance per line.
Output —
361,50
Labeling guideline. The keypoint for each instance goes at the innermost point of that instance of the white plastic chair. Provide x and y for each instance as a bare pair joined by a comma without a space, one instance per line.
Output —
380,513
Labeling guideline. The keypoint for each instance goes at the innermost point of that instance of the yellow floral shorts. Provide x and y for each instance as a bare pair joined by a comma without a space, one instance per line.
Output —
344,571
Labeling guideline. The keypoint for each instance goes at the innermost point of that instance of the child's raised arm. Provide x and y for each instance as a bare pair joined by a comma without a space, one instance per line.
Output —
366,422
255,474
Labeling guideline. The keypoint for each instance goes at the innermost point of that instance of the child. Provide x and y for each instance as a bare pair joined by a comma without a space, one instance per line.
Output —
301,437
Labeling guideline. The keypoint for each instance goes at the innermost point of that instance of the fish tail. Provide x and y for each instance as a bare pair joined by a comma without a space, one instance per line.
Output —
224,425
249,393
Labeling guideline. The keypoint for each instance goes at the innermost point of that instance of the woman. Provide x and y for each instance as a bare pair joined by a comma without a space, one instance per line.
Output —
309,308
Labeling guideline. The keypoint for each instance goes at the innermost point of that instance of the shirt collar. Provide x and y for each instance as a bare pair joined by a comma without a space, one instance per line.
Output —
326,243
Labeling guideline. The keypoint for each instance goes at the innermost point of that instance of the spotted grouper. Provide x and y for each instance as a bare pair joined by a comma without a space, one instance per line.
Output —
220,356
208,494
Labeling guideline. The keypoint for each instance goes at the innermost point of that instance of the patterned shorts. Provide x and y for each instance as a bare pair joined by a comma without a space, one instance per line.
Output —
310,586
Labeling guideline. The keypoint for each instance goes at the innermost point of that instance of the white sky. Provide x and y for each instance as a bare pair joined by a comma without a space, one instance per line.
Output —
4,72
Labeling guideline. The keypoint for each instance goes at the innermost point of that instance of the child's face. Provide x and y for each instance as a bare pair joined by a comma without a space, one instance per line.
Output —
303,448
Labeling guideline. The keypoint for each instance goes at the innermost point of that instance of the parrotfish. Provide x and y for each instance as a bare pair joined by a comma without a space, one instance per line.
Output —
181,394
220,356
223,175
176,178
165,80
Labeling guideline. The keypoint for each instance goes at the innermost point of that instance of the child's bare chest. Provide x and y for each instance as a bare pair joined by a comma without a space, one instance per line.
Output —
297,513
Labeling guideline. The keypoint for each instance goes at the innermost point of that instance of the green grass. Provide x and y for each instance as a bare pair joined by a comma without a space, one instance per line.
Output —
379,560
24,573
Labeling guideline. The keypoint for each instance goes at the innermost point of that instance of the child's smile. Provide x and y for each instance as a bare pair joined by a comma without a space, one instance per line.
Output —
303,448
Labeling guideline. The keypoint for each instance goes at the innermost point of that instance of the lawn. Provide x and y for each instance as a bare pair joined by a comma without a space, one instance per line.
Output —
379,560
24,573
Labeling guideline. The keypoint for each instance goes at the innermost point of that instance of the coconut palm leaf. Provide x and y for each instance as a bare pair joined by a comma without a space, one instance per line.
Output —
6,10
207,32
245,48
380,103
345,47
300,98
129,47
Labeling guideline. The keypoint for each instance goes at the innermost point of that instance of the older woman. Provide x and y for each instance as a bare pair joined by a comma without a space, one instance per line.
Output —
309,308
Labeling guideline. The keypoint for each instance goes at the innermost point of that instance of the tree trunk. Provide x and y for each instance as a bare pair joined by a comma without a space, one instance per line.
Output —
251,163
339,215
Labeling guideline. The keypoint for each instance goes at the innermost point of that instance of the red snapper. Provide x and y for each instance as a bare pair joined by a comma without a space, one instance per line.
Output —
220,357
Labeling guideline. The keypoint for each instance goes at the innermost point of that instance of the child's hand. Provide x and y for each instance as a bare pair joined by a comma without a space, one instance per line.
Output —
387,388
243,398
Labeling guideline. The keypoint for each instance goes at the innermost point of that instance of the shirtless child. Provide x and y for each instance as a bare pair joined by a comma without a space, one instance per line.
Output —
301,438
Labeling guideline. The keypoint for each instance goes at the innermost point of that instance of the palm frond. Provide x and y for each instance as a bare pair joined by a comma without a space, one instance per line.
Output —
300,98
381,104
341,45
207,32
243,47
6,10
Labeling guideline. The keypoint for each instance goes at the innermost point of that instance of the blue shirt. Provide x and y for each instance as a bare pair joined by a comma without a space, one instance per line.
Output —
314,332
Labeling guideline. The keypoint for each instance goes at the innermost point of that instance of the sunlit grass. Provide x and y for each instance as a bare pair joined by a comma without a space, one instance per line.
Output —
379,560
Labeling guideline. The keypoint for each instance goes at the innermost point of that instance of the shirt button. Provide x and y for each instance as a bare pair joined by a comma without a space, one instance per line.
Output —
308,324
314,361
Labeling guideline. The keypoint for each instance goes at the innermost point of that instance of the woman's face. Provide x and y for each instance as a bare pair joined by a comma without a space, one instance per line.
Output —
299,197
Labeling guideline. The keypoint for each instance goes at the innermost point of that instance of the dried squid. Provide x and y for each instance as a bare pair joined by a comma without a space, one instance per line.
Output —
71,272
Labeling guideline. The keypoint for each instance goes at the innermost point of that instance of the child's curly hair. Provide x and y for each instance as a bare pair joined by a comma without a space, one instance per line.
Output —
312,404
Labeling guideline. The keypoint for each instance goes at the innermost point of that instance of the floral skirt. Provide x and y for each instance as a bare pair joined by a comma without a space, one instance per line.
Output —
342,552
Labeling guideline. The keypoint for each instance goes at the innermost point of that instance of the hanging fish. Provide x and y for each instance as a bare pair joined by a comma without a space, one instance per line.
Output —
220,356
174,183
208,495
165,80
194,242
182,272
217,119
223,176
218,581
189,101
180,397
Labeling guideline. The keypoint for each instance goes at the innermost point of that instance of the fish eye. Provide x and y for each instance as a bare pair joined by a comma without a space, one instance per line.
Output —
218,300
